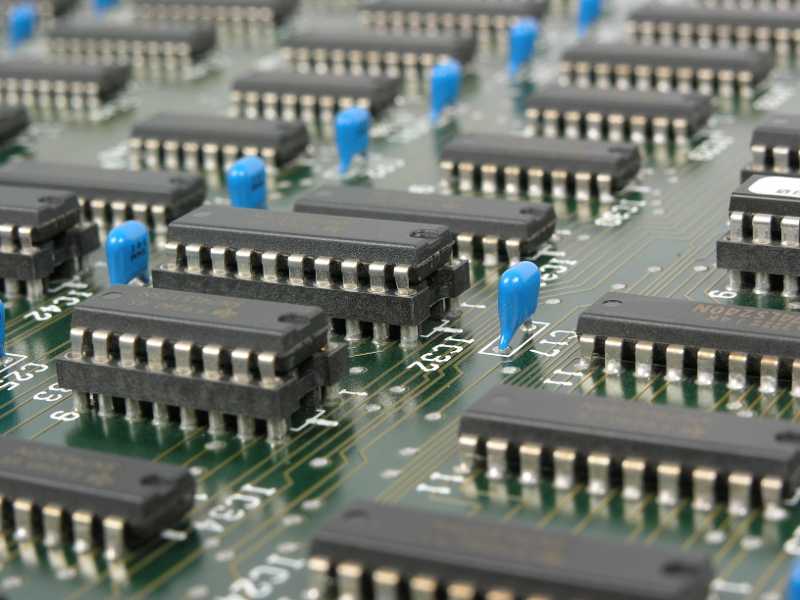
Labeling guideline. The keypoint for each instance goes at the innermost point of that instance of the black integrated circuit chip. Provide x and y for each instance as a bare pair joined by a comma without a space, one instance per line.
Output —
764,30
110,196
13,121
67,493
240,364
726,72
617,116
685,335
762,247
311,97
41,238
197,142
162,46
537,167
253,17
671,451
775,146
357,52
486,19
385,275
61,87
379,550
488,229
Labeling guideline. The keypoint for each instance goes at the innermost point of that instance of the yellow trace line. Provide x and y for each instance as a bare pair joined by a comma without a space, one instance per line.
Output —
639,527
560,503
736,535
702,528
667,520
599,508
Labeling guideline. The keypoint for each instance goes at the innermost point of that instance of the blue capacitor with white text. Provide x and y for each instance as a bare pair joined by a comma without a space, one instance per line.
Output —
128,253
517,299
352,135
247,183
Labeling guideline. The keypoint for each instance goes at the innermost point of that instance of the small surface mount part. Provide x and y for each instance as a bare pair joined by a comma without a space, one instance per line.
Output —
517,299
358,52
41,238
617,116
683,335
687,26
13,121
489,20
62,494
726,72
381,548
390,274
56,88
109,197
156,47
762,247
536,167
314,99
775,146
603,443
230,364
196,142
251,17
488,229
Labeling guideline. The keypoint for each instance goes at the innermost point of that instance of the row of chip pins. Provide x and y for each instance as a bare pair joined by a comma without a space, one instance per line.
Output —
484,26
56,526
781,159
706,362
351,580
568,464
153,154
490,247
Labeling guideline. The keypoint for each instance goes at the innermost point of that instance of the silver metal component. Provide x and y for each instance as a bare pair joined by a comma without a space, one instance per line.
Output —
739,490
644,359
114,538
762,229
669,477
772,499
188,418
183,358
675,361
496,458
277,430
769,375
737,370
53,525
706,362
530,460
82,531
633,470
564,468
468,450
703,489
319,569
599,467
349,580
613,354
422,587
386,584
23,520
